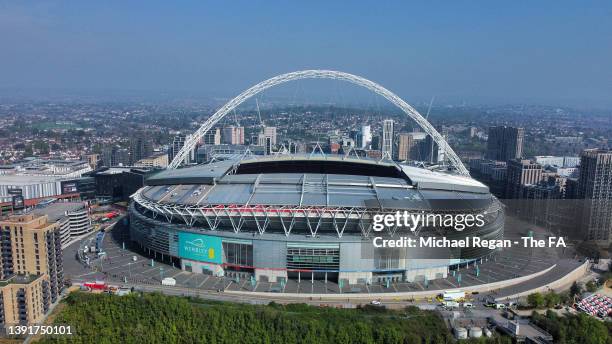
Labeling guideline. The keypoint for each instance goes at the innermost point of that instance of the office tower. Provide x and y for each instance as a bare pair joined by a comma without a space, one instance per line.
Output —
268,145
213,137
376,144
121,157
140,148
520,173
406,143
410,146
233,135
431,152
387,139
358,138
32,268
595,187
366,136
505,143
177,143
107,156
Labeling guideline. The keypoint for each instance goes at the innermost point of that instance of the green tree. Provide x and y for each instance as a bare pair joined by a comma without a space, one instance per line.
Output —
536,300
551,299
575,289
591,287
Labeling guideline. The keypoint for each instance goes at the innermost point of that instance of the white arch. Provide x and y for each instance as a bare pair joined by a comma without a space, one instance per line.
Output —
319,74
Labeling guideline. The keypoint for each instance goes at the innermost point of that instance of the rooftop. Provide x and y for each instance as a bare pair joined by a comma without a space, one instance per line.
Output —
19,279
320,181
58,210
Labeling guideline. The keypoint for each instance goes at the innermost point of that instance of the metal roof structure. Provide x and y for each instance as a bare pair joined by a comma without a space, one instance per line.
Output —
307,191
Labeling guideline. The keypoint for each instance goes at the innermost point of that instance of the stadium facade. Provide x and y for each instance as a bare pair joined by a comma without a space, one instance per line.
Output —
303,217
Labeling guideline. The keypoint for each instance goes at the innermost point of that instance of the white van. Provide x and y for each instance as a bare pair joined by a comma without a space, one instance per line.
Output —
169,281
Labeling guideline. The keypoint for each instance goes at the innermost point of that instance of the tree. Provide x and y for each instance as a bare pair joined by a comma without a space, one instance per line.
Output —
575,289
536,300
591,287
551,299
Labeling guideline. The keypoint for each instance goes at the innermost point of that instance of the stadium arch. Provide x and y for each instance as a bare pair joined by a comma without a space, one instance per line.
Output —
319,74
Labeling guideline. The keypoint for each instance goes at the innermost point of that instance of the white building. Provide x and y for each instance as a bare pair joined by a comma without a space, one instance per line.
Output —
366,136
387,143
39,178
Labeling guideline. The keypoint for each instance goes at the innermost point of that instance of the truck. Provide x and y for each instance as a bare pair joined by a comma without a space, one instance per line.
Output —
453,295
450,304
169,281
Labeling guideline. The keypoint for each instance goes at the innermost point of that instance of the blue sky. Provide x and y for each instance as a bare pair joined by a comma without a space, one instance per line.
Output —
545,52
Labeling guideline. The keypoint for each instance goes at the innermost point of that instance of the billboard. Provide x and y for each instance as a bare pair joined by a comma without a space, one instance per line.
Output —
18,202
203,248
69,187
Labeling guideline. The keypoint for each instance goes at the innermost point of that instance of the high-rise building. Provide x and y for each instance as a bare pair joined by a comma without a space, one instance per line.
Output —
233,135
376,143
407,146
430,151
387,139
268,145
366,136
595,187
122,157
520,173
177,143
505,143
472,131
92,159
267,132
32,268
140,148
107,156
213,137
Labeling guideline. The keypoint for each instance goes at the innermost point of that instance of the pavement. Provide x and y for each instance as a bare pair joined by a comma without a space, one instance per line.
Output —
129,266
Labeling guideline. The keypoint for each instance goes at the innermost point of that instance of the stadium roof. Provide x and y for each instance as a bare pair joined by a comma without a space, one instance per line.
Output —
328,181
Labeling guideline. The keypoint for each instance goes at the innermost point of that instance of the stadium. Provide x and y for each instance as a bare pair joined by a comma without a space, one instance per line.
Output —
282,217
304,216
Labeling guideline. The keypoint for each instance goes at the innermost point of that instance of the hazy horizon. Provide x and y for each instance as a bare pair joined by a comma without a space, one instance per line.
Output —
546,53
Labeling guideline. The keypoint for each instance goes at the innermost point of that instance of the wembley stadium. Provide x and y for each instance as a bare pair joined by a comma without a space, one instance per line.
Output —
304,216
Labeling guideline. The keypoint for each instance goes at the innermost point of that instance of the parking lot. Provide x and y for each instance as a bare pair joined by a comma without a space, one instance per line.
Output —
124,264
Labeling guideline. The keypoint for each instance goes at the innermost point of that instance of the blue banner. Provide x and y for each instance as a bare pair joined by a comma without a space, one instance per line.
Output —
203,248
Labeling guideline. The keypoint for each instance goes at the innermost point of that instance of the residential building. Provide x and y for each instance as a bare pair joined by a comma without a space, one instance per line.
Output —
213,137
233,135
31,278
595,188
140,148
521,172
505,143
159,160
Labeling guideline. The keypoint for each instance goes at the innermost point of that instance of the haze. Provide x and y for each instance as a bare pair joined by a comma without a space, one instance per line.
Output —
546,52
